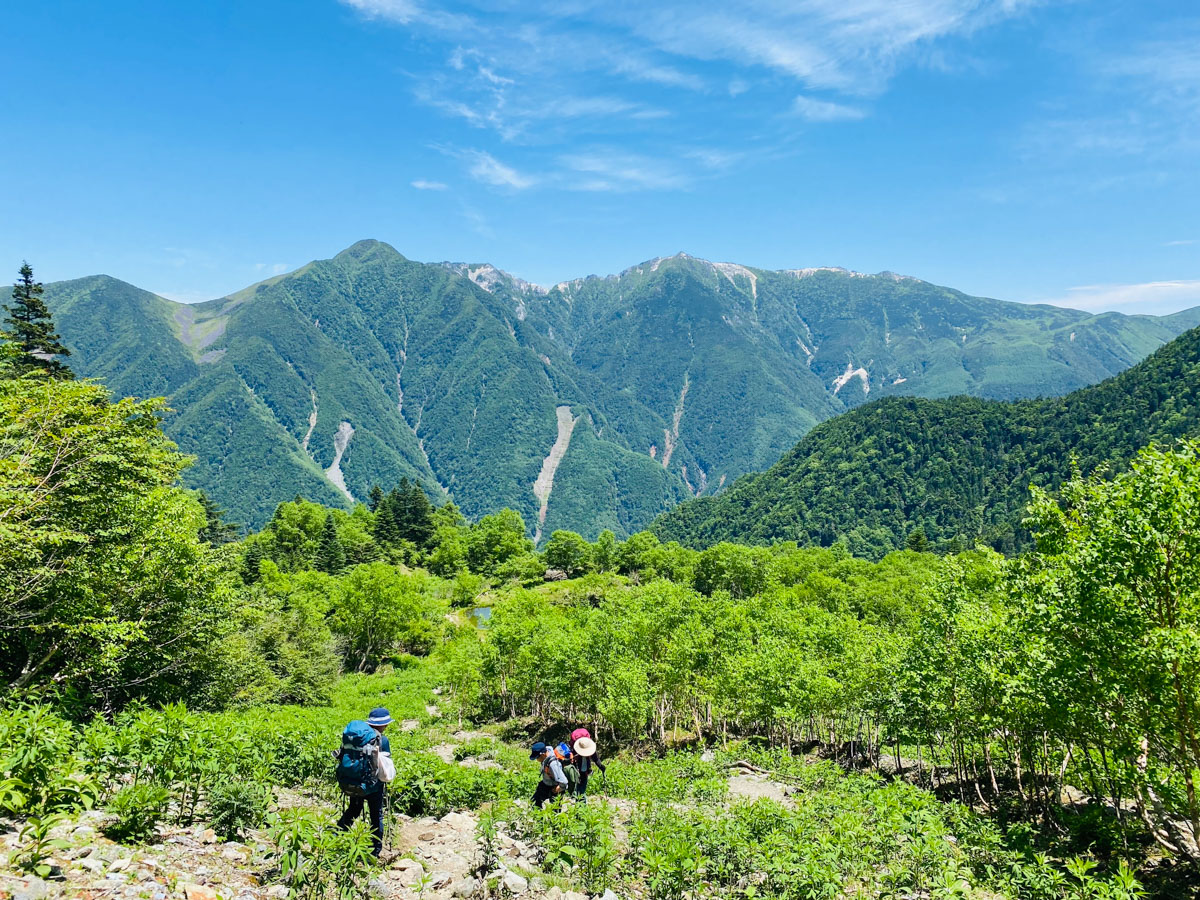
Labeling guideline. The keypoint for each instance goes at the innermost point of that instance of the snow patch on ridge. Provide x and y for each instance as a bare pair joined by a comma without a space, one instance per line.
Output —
341,440
545,480
842,380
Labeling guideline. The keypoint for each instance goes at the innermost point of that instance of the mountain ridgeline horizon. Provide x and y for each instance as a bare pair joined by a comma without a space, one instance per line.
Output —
601,402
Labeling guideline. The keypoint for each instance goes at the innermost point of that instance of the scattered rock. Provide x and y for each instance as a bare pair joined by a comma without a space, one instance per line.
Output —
277,891
92,864
574,895
197,891
407,863
440,880
458,821
432,711
609,895
232,853
426,836
208,836
467,888
31,889
707,756
377,887
537,885
555,893
83,832
514,883
121,865
410,725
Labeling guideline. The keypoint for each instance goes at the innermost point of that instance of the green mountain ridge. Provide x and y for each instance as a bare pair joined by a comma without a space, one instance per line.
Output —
959,468
676,377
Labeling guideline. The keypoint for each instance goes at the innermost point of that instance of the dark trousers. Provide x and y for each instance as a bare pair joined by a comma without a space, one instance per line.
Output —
543,793
581,785
354,809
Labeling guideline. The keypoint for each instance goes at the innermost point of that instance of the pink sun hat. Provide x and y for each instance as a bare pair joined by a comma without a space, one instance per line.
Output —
579,733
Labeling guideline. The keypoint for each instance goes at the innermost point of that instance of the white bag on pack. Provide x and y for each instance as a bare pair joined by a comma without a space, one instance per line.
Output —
385,769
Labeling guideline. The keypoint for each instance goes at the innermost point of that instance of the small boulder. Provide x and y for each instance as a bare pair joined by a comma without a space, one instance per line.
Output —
121,864
514,883
609,895
30,889
468,887
277,892
377,887
208,836
426,836
197,891
439,880
574,895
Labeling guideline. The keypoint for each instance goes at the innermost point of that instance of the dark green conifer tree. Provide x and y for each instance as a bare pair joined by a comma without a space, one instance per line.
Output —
384,529
216,530
253,556
31,330
917,540
418,517
331,557
376,497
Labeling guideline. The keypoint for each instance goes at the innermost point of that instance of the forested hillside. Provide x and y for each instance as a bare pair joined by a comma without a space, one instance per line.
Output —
597,403
951,472
778,722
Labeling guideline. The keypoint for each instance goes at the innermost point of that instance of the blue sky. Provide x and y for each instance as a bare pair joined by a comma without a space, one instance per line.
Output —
1026,150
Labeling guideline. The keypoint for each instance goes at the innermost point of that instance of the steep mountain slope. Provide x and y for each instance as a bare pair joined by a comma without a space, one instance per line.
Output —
598,403
958,468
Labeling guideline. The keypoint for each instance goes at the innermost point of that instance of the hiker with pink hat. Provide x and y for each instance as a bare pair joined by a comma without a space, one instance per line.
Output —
588,757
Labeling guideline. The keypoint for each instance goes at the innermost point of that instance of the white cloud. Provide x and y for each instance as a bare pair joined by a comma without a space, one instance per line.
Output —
422,185
1186,243
486,168
272,268
1152,297
825,111
607,170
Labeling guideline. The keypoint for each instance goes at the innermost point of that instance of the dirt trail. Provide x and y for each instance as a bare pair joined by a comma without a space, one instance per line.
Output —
545,480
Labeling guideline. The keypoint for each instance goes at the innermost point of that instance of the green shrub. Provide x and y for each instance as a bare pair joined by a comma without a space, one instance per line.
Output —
137,810
40,772
235,806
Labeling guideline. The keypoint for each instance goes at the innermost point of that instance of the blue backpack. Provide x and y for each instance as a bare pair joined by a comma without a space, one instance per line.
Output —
356,761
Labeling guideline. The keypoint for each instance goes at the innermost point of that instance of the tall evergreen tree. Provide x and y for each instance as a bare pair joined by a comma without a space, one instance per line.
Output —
376,497
216,530
415,521
331,557
30,328
384,528
250,562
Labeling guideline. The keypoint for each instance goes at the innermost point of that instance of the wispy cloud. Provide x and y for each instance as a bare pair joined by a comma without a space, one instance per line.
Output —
1152,297
1185,243
271,268
612,170
422,185
485,168
555,76
824,110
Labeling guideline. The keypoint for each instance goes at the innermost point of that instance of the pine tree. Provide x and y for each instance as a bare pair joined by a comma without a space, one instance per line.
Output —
254,556
216,530
31,329
418,517
384,529
331,558
917,540
376,497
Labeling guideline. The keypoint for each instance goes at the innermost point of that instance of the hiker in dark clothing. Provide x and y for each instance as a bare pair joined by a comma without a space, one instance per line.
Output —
553,781
587,758
375,789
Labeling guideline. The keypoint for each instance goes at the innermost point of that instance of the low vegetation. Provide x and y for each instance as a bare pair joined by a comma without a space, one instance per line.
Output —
958,725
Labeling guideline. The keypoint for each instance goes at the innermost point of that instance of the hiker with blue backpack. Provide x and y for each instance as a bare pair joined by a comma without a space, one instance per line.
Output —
364,768
553,782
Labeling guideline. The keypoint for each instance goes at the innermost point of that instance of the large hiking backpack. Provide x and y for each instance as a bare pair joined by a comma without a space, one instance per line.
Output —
357,768
564,753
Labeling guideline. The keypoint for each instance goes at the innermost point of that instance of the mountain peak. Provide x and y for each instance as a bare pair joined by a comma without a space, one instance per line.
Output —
488,277
368,247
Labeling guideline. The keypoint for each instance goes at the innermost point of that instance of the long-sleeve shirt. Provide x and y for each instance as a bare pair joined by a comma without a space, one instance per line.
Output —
585,763
552,772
